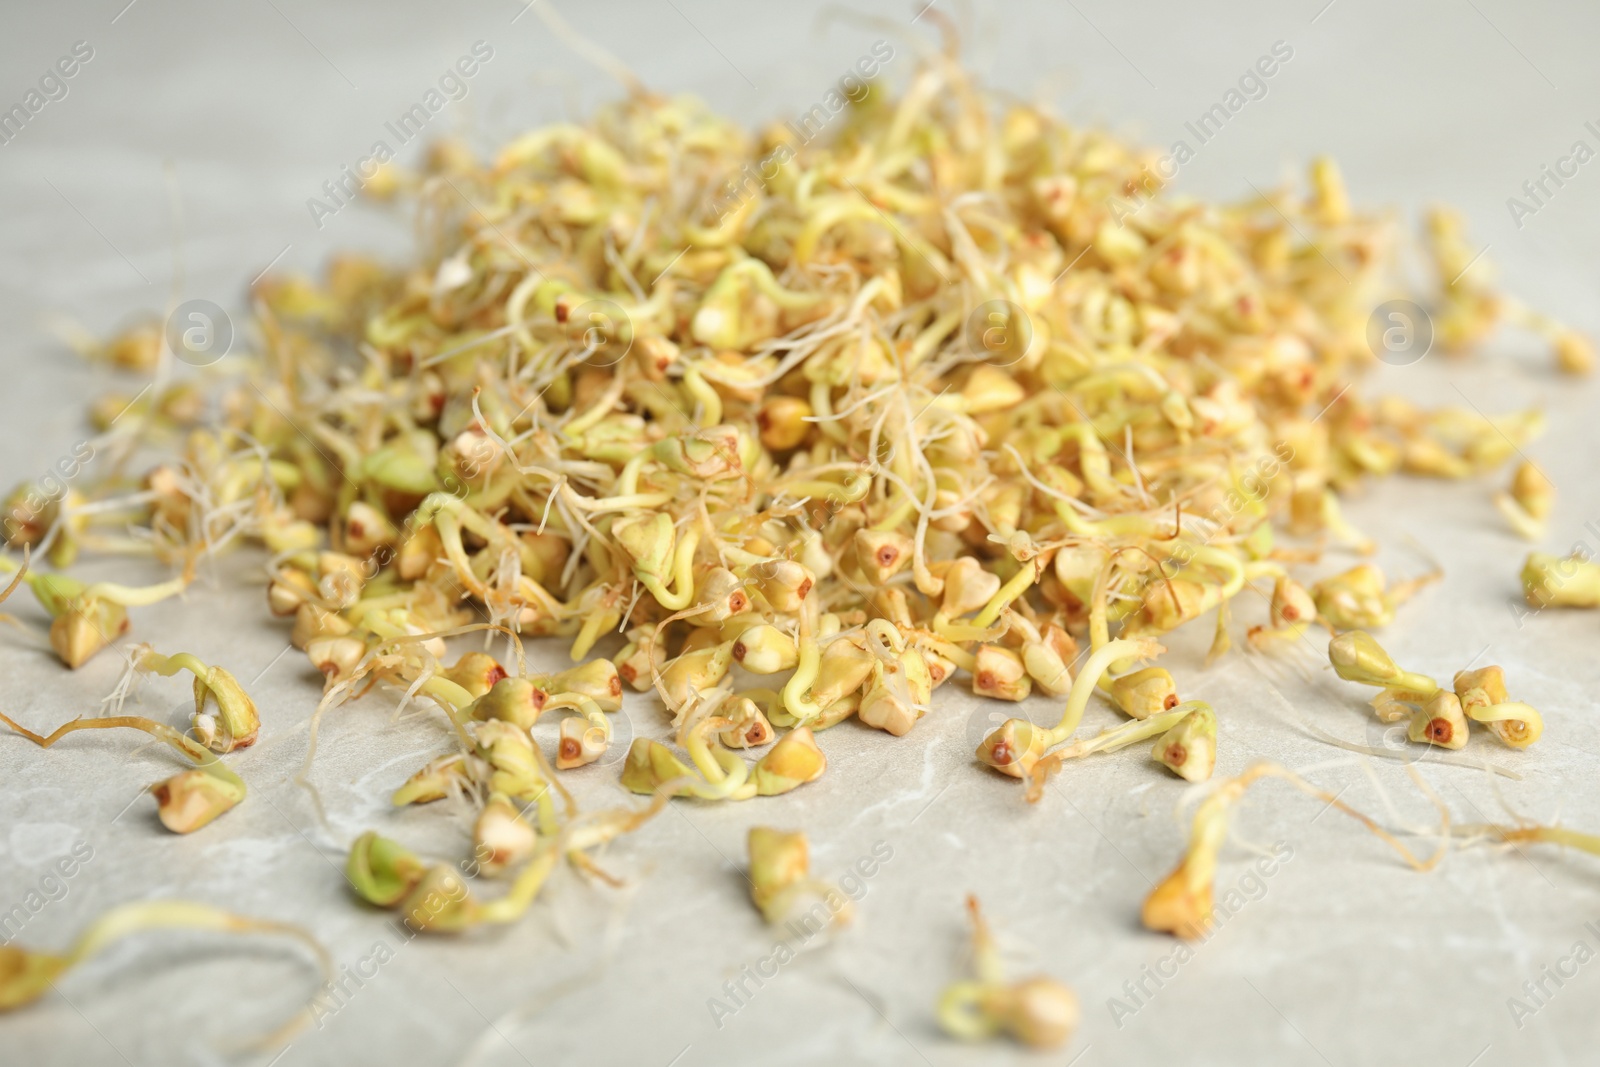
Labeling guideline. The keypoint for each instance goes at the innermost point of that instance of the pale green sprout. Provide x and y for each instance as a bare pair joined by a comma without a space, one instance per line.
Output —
1181,904
1039,1012
780,876
85,616
26,975
1517,724
225,718
186,801
1356,657
1549,581
1162,724
1016,746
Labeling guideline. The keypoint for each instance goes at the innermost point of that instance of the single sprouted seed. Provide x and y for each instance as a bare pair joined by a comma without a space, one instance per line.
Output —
780,876
1361,599
86,617
1181,903
26,975
1551,582
1528,502
1039,1012
225,718
186,801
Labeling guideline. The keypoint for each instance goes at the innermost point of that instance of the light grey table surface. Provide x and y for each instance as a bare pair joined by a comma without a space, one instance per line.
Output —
1346,958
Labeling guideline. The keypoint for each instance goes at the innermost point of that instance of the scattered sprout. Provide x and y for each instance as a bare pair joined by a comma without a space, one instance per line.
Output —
186,801
26,975
1549,582
225,718
780,875
1181,903
1039,1012
1528,502
1361,598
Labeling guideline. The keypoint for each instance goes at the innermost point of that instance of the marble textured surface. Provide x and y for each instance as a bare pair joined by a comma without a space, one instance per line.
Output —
1342,956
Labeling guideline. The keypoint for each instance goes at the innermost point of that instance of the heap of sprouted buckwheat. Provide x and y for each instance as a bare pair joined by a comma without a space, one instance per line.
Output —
817,428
